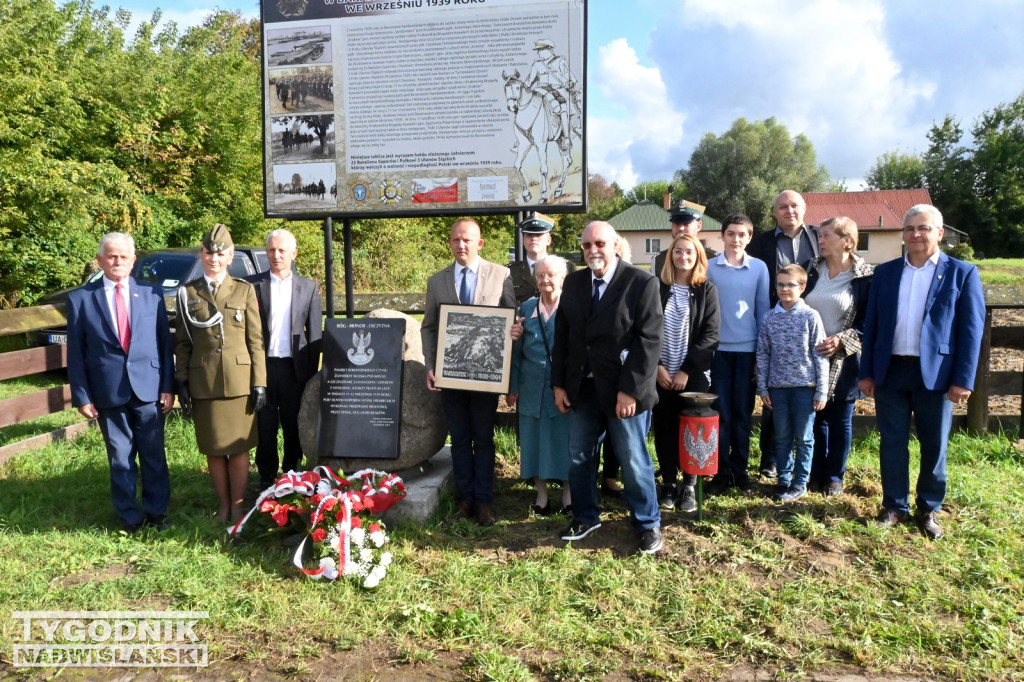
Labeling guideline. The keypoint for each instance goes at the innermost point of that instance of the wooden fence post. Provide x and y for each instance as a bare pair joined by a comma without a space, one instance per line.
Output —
977,404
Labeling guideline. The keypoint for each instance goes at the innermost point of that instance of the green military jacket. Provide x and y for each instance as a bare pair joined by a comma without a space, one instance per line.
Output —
226,359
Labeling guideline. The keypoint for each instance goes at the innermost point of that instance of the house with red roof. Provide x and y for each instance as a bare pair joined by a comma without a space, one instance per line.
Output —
879,218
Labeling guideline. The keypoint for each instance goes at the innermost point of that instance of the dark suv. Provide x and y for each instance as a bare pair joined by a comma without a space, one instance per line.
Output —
170,268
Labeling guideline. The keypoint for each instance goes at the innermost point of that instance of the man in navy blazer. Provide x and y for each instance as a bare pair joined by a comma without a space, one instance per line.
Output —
292,331
604,369
920,355
121,371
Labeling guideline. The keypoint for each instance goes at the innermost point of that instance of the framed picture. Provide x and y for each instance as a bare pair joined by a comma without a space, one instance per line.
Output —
474,349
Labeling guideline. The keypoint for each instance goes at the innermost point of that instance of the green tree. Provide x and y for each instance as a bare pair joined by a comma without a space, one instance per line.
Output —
998,161
605,198
978,184
747,166
893,170
159,137
651,190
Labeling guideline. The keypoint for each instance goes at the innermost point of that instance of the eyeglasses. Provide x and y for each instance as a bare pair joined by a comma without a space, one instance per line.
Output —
788,285
918,229
600,243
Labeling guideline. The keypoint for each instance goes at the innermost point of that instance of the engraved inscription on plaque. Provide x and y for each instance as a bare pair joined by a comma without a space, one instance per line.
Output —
361,388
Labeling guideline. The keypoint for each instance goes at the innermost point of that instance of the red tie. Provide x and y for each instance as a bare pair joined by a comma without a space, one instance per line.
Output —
124,330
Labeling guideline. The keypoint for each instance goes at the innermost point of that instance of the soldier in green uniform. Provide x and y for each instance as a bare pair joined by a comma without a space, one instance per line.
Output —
221,368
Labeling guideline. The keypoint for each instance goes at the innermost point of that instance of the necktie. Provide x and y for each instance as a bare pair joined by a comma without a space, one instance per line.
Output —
124,330
213,290
464,296
597,294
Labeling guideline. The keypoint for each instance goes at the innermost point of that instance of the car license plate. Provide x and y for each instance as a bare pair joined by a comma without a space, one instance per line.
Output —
57,338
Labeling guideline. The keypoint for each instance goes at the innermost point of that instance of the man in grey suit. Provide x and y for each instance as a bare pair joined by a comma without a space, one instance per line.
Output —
470,280
292,329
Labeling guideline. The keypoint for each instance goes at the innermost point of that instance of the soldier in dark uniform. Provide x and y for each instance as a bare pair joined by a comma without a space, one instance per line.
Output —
221,368
684,220
536,241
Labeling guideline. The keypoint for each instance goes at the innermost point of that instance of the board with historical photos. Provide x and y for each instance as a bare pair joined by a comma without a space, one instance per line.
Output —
423,107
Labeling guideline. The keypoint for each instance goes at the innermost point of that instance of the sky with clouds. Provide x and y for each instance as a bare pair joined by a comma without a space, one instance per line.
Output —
857,77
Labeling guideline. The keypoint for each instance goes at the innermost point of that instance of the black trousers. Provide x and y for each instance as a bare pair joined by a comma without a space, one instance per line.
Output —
284,394
471,416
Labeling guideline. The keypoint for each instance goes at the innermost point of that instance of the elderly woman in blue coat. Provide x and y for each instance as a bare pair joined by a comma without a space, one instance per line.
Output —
543,430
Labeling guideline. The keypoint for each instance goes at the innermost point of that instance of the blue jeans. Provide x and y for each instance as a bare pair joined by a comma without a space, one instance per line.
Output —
732,379
793,410
833,434
904,393
471,416
629,437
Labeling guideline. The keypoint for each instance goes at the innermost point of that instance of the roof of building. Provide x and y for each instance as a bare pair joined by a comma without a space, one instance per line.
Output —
646,215
872,210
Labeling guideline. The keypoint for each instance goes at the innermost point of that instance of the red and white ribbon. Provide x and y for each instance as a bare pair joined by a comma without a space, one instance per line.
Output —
293,482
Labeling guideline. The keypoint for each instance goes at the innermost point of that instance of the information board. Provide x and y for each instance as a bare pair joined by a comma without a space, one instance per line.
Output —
419,107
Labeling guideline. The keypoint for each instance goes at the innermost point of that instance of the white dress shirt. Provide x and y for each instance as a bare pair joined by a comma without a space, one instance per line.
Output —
280,323
606,277
914,286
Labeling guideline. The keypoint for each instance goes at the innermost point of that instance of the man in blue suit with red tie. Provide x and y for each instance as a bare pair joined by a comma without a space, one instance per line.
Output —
920,355
121,371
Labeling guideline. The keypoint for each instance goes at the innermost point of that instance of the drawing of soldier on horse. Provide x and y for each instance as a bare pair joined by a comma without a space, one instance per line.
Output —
549,89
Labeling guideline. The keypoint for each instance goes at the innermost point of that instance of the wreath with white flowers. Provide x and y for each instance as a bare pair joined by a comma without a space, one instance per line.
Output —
339,515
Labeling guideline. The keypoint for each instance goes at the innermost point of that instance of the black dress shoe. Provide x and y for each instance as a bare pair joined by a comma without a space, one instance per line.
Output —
538,510
891,517
484,516
158,521
609,491
769,471
929,524
719,485
132,527
465,510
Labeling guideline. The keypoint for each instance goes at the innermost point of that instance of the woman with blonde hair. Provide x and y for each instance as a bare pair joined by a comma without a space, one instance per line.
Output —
221,368
689,337
837,287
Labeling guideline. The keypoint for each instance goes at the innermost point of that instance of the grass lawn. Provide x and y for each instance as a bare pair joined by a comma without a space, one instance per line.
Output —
1001,271
758,588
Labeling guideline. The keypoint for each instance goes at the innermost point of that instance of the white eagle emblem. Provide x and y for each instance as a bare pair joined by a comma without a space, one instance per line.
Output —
700,449
360,353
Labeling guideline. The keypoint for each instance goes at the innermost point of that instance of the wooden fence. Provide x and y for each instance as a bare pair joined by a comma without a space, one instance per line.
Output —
21,363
